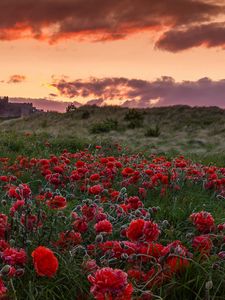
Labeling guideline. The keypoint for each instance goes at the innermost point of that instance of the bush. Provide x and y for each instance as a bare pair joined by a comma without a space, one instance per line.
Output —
135,118
152,131
85,114
133,114
71,108
104,126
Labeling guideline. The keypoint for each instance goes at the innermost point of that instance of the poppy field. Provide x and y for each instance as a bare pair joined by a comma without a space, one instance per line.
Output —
103,223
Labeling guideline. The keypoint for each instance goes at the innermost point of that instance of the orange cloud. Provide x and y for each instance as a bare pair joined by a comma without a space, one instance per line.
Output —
99,20
16,78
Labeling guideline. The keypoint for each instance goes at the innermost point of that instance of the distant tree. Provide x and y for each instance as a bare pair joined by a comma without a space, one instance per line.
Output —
71,108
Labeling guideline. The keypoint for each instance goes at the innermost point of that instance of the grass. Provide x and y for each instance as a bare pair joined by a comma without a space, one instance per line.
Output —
183,130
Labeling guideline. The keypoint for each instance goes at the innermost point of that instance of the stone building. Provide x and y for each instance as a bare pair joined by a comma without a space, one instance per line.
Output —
15,110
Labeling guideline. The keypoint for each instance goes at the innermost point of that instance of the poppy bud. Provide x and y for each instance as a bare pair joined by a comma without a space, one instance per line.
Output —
5,270
4,203
19,272
209,285
99,238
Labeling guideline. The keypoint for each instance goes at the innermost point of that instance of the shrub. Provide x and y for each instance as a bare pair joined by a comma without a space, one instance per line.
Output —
133,114
104,126
152,131
71,108
135,118
85,114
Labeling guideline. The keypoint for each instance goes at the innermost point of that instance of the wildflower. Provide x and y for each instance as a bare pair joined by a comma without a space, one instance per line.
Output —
95,189
94,177
3,225
80,225
203,221
45,262
135,230
14,256
3,289
176,257
202,244
127,172
108,283
103,226
144,230
57,202
69,238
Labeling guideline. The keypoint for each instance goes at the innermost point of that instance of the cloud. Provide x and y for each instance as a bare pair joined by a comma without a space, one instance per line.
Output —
97,102
99,20
53,95
16,79
163,91
208,35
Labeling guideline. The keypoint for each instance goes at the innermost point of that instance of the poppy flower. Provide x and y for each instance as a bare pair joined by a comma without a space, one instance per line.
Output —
14,256
108,283
202,244
3,289
57,202
95,189
203,221
143,230
103,226
45,262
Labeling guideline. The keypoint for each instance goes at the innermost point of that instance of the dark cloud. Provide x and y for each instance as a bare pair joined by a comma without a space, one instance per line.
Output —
16,78
208,35
53,95
99,20
143,93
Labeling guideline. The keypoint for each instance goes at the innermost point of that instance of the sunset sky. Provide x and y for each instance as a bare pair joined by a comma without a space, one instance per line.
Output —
138,52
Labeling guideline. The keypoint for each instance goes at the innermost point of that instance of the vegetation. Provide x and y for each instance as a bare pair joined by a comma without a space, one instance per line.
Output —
183,129
59,180
153,131
105,126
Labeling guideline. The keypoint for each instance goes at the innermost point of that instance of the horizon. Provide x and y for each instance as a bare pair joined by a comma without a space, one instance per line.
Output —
142,53
60,106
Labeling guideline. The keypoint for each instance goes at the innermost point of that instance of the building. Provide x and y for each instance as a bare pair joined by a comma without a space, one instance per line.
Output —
15,110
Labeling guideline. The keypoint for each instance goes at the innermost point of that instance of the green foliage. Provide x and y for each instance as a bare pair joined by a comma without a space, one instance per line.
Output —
152,131
133,114
104,126
85,114
135,118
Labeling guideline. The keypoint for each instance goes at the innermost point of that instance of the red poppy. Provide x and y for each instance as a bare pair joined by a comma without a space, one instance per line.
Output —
14,256
94,177
203,221
95,189
106,281
143,230
3,289
202,244
45,262
103,226
57,202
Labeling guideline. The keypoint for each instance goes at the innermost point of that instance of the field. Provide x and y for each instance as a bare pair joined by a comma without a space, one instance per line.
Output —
112,204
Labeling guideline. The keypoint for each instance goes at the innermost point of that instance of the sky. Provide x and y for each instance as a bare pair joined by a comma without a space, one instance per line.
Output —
135,53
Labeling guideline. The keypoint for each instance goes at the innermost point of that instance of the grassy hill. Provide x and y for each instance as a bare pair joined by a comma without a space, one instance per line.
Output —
177,129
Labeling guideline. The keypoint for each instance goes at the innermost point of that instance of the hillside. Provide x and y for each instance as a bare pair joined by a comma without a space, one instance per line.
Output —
181,129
